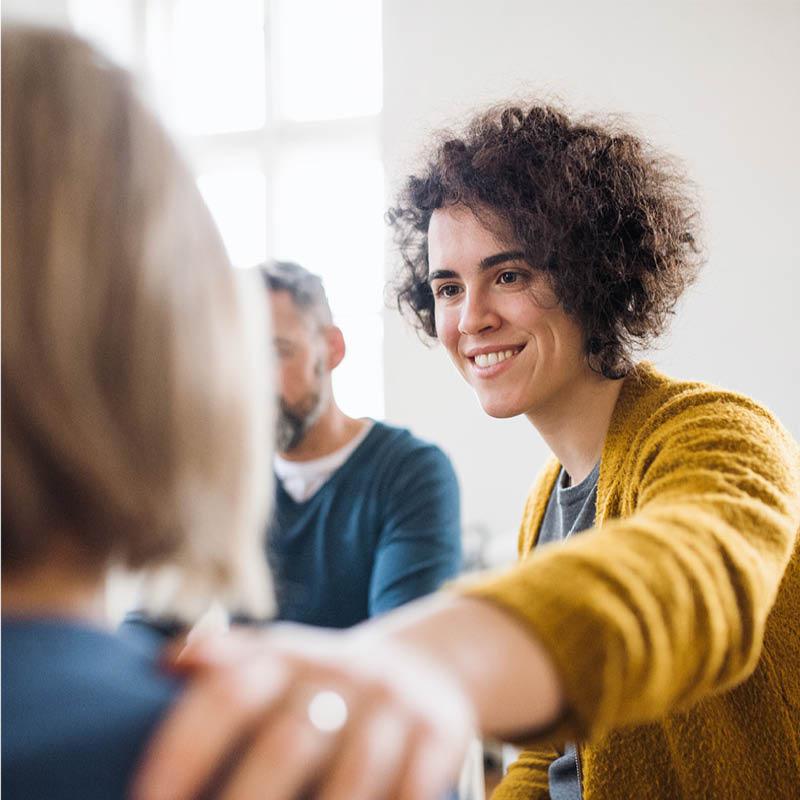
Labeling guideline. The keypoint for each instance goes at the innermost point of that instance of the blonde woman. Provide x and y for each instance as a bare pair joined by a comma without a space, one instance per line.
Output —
134,405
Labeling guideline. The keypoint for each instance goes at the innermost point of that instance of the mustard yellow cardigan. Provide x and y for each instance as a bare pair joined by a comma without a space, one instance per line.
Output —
675,622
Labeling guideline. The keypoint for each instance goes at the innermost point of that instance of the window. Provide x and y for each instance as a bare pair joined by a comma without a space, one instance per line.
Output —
277,103
327,62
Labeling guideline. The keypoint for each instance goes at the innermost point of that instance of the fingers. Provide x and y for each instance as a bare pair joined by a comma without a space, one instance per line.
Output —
217,708
282,760
426,775
370,758
291,756
391,756
402,735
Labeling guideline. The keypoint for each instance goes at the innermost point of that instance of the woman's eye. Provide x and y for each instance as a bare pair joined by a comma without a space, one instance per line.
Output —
509,277
447,290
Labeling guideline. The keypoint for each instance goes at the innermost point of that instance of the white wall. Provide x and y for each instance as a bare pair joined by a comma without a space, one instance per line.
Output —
715,83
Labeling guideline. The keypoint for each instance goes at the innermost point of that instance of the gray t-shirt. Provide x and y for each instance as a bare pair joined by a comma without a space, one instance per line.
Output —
570,510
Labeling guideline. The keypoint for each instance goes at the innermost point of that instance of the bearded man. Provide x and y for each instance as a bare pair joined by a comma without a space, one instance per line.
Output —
366,515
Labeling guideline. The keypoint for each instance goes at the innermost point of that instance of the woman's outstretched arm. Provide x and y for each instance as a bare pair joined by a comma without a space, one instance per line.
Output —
416,684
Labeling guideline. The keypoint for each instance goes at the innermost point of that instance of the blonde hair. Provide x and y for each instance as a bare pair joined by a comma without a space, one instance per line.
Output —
135,407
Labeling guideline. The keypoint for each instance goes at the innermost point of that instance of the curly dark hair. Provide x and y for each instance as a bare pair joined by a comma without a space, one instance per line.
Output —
611,221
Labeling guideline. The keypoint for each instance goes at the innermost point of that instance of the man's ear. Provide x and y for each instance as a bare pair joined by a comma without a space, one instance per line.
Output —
336,347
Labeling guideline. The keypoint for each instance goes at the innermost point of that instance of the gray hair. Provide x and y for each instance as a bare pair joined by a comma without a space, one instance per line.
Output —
304,287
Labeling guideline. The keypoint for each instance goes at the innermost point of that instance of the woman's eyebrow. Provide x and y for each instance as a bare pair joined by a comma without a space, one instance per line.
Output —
441,273
501,258
484,263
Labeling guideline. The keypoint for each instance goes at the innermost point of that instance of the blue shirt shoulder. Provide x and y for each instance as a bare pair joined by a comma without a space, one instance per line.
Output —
79,704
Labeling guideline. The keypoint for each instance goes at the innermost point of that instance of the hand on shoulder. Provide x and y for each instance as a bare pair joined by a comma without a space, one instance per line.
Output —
294,708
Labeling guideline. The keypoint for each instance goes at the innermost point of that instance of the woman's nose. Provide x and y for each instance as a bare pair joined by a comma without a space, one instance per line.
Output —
477,315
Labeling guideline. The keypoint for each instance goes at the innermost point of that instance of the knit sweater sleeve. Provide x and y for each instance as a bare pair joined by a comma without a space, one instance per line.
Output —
527,777
667,603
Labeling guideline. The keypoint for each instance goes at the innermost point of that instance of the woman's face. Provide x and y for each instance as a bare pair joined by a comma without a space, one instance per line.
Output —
499,319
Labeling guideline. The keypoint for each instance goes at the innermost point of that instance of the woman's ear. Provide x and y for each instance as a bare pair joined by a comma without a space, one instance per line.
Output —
336,347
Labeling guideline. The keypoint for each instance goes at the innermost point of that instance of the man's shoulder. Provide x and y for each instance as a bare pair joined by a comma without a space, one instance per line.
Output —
401,436
396,444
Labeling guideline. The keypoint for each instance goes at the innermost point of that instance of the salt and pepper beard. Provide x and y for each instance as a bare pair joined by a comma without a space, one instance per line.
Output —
295,421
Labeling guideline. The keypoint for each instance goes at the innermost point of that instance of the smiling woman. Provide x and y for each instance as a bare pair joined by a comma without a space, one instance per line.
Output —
544,251
646,646
584,201
503,328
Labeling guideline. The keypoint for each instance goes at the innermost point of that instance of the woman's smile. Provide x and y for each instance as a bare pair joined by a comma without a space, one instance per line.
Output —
489,362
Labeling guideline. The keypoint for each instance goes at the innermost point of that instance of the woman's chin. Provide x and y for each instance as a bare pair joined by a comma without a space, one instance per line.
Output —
499,408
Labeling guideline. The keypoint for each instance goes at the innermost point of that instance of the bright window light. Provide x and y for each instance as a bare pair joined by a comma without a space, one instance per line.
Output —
237,200
316,191
358,380
208,62
327,58
328,217
112,33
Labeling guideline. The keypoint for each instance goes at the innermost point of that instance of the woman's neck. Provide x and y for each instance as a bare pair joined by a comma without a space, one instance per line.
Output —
51,589
575,427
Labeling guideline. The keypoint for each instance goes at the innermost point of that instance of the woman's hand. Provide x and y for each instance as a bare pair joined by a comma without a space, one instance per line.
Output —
414,683
295,710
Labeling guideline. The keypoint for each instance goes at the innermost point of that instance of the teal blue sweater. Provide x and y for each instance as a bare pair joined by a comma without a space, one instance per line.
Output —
383,530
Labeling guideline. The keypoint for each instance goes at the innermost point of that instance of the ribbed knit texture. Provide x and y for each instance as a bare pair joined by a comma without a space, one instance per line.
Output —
674,624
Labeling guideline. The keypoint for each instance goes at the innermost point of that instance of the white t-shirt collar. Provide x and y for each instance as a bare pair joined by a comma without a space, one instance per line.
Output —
302,479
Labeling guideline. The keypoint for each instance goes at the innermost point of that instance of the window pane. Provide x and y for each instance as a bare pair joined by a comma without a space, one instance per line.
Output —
109,26
327,59
237,199
208,64
329,217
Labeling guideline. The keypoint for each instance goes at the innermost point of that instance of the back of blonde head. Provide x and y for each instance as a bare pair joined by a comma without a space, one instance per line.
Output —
134,394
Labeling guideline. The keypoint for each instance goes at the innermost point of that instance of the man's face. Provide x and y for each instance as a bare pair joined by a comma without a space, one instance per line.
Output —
499,319
303,375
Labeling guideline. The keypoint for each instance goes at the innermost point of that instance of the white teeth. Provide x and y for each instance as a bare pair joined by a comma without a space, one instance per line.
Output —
490,359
